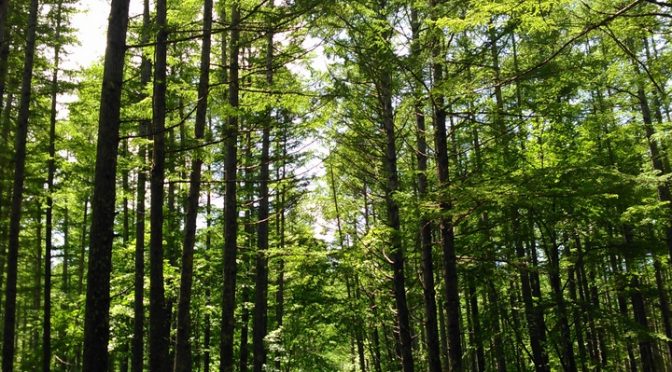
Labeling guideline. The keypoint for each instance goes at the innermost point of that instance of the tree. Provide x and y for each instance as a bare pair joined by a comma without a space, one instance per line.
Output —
96,325
9,328
183,359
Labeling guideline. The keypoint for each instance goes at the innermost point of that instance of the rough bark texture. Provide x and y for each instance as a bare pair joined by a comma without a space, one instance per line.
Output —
97,319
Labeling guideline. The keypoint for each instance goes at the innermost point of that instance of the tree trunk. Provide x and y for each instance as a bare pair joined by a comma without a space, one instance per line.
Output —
97,320
46,320
208,246
137,343
159,321
17,193
429,294
159,330
183,358
260,317
230,203
566,348
394,222
445,205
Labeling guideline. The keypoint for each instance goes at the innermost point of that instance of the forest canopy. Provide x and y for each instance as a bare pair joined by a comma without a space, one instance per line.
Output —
365,185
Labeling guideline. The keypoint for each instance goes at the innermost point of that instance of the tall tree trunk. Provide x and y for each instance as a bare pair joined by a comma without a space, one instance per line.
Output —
46,320
159,322
230,202
183,357
137,343
429,294
445,205
393,220
208,246
97,320
260,317
280,227
17,193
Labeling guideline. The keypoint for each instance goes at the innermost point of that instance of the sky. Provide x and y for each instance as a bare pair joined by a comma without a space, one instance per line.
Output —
91,25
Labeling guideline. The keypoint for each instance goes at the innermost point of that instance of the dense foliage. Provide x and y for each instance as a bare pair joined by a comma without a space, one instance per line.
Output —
338,185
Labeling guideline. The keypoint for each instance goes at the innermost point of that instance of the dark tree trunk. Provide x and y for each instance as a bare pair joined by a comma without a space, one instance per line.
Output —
535,318
82,248
4,46
97,319
137,343
280,294
445,205
230,203
46,320
663,302
17,194
159,321
183,358
566,345
429,294
393,220
476,324
260,317
622,307
208,246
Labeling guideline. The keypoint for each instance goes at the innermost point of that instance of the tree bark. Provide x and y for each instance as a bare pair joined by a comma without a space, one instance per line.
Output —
17,193
46,320
445,206
159,330
97,320
260,316
183,358
394,222
429,294
137,343
230,202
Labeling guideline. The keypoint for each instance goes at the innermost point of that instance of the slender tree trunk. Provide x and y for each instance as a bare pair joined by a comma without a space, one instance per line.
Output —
622,308
476,324
46,320
96,326
429,294
445,205
566,345
183,358
208,246
17,193
280,294
230,203
137,343
4,46
394,222
159,322
260,317
82,248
